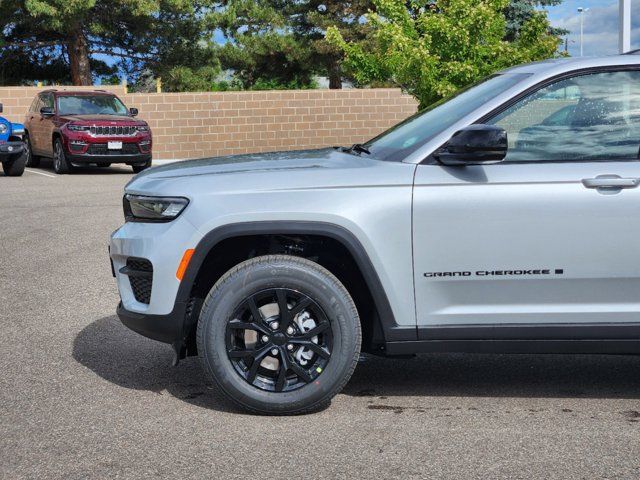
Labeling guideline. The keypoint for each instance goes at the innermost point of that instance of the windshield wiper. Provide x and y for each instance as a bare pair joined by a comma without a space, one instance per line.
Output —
358,147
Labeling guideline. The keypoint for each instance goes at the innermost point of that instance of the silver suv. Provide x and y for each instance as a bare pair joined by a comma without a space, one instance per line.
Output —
505,219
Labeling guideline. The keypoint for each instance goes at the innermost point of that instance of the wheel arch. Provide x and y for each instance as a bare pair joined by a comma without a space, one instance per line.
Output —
55,135
379,325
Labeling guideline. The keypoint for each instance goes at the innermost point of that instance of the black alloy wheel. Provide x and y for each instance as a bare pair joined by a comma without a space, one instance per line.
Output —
283,351
279,335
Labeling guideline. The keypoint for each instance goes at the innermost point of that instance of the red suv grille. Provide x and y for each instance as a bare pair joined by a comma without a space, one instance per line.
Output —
101,149
112,130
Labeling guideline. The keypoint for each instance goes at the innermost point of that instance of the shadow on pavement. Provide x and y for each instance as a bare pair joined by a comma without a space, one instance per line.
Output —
474,375
129,360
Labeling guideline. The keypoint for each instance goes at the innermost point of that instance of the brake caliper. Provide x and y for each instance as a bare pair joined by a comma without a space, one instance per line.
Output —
305,323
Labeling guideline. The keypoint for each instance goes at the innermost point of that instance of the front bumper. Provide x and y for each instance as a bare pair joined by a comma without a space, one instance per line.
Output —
10,150
162,245
137,159
163,328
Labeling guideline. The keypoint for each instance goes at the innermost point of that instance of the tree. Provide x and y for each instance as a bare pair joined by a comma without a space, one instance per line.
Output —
310,19
261,48
141,34
283,41
431,48
519,12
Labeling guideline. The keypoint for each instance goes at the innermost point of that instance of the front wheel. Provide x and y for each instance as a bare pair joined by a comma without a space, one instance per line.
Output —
279,335
60,163
14,168
32,160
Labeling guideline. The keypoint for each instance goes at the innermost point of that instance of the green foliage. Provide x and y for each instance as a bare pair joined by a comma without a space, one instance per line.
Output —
185,79
430,47
518,12
144,35
433,48
282,42
262,49
271,58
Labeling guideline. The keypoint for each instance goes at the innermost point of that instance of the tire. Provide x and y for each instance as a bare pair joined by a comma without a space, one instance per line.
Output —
321,297
32,160
139,168
60,163
14,168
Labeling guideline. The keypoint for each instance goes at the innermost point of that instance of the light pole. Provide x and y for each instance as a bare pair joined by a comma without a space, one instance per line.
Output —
624,32
581,11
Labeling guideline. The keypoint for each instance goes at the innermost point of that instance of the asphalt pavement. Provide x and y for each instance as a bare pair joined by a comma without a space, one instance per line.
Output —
82,397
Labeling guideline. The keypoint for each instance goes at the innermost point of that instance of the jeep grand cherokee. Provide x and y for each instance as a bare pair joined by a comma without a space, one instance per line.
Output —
478,225
85,127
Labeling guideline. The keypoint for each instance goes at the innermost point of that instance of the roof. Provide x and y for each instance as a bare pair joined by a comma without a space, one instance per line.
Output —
77,92
560,65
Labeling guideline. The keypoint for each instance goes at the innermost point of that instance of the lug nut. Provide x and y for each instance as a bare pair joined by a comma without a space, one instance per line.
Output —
289,330
265,339
274,351
289,347
274,325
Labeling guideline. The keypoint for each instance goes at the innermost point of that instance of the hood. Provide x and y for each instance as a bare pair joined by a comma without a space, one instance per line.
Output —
301,170
107,119
287,161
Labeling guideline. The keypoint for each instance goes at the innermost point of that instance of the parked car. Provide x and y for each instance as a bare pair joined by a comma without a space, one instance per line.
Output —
478,225
85,127
12,151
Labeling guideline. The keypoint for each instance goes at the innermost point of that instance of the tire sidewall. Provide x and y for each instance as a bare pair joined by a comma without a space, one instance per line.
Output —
254,277
60,166
28,151
15,167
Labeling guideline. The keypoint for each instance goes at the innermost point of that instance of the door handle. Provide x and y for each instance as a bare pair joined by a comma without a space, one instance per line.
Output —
610,182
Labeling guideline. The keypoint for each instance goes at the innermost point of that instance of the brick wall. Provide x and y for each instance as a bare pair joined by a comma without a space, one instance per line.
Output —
192,125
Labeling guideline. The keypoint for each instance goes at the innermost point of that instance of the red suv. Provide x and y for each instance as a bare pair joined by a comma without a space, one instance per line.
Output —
86,127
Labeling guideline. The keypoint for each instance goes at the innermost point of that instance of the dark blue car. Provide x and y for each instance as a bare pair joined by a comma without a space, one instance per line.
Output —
12,152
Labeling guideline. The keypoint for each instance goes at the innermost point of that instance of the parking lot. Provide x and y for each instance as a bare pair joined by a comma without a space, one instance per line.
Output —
83,397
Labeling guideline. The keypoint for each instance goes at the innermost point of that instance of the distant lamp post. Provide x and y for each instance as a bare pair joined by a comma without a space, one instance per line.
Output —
582,11
624,32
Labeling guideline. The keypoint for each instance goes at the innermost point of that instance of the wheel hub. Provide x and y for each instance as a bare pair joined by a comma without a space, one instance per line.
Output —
279,339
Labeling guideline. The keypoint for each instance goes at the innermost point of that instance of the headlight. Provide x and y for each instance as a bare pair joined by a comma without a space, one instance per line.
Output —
143,128
3,128
78,128
138,208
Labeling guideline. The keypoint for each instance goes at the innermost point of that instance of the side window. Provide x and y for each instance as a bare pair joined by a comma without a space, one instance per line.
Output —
47,100
587,117
34,104
38,103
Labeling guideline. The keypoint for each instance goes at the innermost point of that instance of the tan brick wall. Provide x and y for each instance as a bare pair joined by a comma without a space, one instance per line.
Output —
193,125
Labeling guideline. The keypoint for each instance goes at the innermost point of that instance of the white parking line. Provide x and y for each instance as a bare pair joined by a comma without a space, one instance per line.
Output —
40,173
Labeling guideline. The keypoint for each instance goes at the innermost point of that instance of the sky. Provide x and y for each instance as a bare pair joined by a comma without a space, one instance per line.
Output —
600,25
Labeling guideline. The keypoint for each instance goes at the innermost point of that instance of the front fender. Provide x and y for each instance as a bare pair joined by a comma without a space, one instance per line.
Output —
17,130
392,330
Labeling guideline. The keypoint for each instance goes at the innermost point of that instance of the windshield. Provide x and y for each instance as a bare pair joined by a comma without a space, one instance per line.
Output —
91,105
399,141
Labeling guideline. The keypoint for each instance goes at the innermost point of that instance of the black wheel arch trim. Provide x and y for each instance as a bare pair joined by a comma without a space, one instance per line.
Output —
391,330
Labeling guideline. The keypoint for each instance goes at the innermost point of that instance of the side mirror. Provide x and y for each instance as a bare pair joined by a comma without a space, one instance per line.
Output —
46,111
1,108
133,111
474,145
